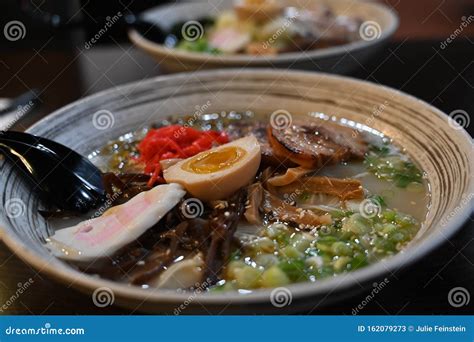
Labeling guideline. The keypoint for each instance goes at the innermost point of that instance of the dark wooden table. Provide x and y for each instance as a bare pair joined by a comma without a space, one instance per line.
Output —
444,78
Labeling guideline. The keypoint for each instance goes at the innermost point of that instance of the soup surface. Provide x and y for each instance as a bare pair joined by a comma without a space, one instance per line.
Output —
333,218
263,205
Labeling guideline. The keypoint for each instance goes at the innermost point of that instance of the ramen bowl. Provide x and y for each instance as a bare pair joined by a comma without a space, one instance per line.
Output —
438,145
380,23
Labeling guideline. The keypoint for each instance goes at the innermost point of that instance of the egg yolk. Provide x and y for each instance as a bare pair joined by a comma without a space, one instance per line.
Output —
214,161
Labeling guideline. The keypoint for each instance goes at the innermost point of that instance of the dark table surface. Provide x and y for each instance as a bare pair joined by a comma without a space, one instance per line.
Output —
442,77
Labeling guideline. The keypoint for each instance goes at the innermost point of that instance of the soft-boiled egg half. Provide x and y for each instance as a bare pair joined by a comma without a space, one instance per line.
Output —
219,172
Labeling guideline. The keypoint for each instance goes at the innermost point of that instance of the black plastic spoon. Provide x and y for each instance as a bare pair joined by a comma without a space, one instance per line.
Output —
59,174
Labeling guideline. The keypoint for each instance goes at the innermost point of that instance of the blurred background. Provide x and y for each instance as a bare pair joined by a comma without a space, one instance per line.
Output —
51,62
51,57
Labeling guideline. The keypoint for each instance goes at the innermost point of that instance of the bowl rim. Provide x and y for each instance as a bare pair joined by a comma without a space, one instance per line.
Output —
338,283
250,60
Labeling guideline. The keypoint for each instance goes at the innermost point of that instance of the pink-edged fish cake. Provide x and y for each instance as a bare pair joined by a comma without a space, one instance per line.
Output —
118,226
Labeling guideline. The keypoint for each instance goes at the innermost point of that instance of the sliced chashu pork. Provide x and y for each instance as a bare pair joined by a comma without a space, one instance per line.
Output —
259,130
314,143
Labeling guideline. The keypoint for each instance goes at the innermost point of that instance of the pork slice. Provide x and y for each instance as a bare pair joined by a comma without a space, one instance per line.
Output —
342,135
316,143
259,130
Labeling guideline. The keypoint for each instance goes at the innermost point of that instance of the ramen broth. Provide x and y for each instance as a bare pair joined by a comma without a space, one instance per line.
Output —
277,253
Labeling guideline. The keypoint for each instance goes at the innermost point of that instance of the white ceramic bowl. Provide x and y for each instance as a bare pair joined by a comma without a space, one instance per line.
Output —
382,22
442,149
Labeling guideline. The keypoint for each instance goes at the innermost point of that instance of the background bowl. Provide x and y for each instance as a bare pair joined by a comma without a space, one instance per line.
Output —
338,59
439,146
